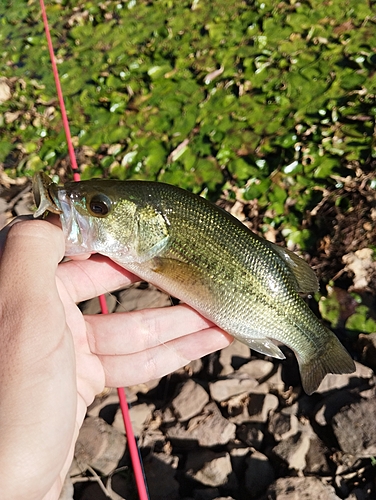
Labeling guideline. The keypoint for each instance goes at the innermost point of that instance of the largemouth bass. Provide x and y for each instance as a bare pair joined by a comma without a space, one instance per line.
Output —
199,253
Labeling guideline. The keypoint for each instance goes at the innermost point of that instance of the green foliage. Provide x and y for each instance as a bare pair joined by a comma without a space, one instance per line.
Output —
336,311
271,99
361,321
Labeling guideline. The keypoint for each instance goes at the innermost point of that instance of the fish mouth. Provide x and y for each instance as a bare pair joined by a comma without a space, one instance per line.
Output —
44,197
75,226
49,197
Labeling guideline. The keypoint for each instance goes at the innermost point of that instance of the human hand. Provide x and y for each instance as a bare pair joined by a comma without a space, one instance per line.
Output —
54,360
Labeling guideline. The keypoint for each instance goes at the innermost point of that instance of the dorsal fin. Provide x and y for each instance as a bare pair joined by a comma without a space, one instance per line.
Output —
305,277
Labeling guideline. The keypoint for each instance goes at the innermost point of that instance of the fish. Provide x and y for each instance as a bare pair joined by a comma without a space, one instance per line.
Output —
196,251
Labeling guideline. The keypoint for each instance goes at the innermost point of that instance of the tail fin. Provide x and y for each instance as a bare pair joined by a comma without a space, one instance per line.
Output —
335,359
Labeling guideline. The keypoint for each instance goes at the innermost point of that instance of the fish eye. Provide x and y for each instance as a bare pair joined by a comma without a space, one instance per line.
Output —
99,205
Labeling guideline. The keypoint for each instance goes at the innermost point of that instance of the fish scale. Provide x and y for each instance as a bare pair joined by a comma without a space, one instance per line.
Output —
204,256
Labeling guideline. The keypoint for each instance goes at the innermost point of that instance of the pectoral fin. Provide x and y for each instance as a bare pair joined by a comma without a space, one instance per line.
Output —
185,281
306,279
152,234
185,274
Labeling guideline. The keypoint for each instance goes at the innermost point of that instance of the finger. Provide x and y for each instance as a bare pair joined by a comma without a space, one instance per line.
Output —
85,279
132,369
126,333
29,302
5,230
30,256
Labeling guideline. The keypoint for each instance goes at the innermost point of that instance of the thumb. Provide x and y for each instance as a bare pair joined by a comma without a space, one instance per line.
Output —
37,361
30,253
5,230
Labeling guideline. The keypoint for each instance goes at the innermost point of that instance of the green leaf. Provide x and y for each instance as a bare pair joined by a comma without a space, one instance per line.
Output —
330,309
361,321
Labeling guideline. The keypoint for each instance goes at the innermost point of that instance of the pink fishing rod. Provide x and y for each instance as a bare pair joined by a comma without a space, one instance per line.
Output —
132,445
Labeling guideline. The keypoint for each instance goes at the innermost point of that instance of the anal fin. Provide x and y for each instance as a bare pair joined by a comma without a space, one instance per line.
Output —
265,346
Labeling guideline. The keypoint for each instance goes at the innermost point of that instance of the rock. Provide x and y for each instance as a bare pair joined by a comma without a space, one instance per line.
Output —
253,408
330,405
233,357
168,416
180,437
116,482
67,491
140,414
261,389
251,434
94,491
235,384
355,430
209,494
258,475
332,381
367,346
24,205
106,404
275,382
206,494
361,494
92,306
190,400
5,218
5,92
159,471
260,413
108,397
141,296
194,367
238,456
257,369
237,408
210,468
361,263
3,207
12,116
316,461
209,428
293,450
283,425
99,446
362,372
152,439
301,488
143,388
